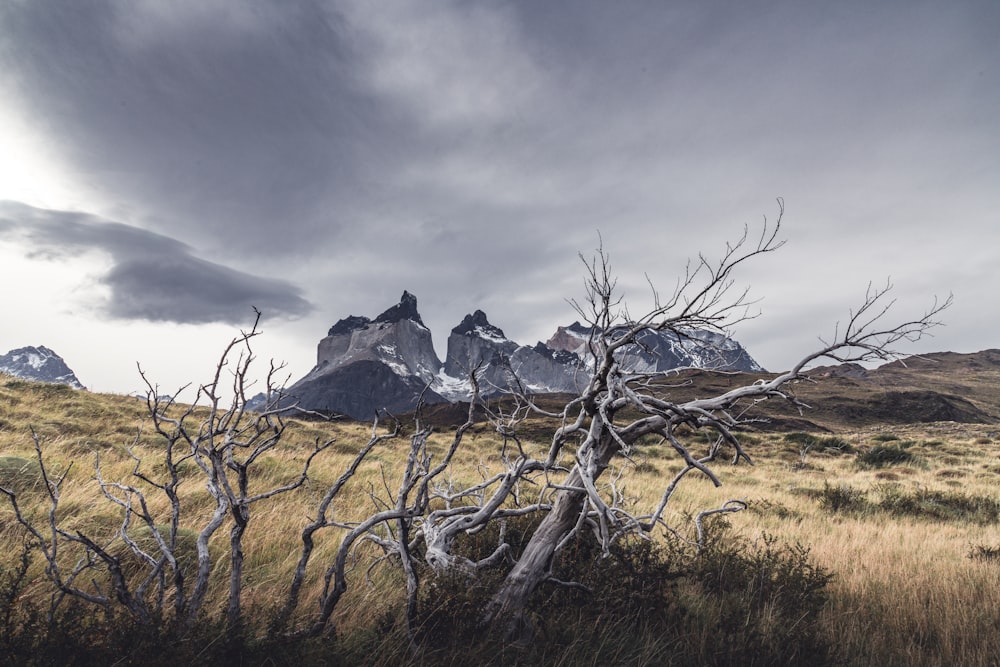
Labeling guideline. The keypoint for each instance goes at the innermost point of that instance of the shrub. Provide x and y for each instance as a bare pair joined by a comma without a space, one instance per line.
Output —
734,601
843,498
940,505
984,552
829,444
880,456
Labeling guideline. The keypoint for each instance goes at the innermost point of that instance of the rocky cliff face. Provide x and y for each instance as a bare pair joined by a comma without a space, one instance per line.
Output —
40,364
364,365
539,369
477,343
544,370
396,338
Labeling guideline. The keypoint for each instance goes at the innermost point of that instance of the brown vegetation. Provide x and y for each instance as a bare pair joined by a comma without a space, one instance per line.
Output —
913,554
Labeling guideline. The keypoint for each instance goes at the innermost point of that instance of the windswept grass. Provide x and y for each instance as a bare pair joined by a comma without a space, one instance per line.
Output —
910,542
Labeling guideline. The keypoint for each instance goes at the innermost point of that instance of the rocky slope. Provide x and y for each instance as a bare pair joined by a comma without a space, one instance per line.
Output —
40,364
936,387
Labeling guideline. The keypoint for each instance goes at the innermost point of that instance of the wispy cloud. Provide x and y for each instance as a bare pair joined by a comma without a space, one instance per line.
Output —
151,277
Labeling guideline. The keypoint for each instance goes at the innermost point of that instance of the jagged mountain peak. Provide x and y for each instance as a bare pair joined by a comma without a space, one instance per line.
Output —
478,324
406,309
349,324
40,364
364,365
560,356
476,342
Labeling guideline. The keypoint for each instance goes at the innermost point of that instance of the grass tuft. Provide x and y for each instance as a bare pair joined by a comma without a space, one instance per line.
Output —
20,474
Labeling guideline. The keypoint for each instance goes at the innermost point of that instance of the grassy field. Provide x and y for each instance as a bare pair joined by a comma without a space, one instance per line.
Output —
904,517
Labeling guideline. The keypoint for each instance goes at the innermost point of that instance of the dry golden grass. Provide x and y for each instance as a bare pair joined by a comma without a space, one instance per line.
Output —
906,591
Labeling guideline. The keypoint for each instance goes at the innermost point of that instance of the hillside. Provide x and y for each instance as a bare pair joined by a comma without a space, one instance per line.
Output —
941,387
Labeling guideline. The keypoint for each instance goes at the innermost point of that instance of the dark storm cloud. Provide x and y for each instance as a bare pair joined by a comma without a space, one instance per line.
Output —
235,119
152,277
468,151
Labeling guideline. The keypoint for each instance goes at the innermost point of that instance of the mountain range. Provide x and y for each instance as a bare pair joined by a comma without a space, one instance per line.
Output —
389,363
40,364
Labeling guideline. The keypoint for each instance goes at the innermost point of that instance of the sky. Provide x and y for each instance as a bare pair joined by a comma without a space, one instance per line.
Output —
167,166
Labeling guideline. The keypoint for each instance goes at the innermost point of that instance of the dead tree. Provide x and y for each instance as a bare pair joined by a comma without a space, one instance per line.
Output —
426,512
224,439
423,508
594,430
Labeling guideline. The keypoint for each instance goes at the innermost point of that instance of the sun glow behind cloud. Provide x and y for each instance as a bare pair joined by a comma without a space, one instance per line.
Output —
29,171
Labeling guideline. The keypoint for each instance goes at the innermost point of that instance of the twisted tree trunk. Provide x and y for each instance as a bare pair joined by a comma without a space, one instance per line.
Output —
535,564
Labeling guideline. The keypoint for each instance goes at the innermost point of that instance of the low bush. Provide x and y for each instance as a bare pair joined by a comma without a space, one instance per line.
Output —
920,503
734,601
940,505
828,444
843,498
880,456
984,552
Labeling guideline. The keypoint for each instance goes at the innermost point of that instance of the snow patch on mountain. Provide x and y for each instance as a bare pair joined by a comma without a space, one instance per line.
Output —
364,365
39,364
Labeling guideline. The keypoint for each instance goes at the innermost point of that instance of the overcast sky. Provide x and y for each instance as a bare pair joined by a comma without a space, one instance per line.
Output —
164,166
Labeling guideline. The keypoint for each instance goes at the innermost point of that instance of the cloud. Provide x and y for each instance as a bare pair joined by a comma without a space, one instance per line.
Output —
216,120
449,64
467,151
152,277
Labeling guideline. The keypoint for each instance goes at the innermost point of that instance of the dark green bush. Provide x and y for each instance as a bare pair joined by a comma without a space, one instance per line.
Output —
880,456
843,498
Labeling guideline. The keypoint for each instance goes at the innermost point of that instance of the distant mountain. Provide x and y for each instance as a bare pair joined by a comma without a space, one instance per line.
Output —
389,363
658,351
40,364
367,365
502,362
